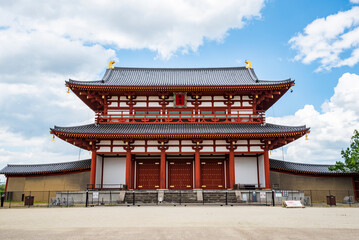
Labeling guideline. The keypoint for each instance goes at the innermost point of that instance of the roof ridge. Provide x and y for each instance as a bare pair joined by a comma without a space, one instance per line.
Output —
177,69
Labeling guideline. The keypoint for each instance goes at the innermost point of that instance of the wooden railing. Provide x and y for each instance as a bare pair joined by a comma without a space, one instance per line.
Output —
180,118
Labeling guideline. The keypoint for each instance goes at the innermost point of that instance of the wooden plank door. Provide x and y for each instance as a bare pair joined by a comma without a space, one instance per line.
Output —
180,174
212,174
148,174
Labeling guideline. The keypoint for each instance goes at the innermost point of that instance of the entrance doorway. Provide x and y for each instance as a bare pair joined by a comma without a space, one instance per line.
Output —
180,174
148,174
212,174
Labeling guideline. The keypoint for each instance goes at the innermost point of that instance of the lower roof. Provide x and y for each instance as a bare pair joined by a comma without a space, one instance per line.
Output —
193,128
303,168
24,169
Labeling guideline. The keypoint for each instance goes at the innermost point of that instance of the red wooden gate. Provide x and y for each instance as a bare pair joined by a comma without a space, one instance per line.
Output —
148,174
180,174
212,174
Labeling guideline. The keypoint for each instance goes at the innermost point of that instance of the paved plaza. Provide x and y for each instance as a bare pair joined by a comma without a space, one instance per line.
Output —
194,222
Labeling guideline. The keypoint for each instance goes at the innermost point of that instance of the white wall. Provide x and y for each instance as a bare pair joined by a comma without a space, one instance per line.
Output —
262,179
246,170
114,171
98,169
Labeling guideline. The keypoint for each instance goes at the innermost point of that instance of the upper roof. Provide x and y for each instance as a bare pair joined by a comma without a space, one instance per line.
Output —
303,168
194,128
171,77
47,168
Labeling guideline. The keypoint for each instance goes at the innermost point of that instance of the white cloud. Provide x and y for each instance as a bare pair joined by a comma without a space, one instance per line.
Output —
354,1
42,44
329,39
331,128
159,25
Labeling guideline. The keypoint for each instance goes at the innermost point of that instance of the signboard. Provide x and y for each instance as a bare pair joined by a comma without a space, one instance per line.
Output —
180,100
94,194
293,204
262,195
278,193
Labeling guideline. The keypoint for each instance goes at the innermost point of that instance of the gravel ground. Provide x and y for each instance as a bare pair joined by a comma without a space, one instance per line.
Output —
179,223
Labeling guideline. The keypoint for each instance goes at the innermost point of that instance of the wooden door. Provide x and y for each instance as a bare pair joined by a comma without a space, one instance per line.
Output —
148,174
180,174
212,174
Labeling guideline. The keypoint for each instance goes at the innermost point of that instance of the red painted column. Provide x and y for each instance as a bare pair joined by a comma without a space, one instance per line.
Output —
93,169
197,170
266,169
163,169
231,168
128,168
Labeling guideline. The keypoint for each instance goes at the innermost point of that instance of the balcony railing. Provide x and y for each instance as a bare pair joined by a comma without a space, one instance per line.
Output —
123,117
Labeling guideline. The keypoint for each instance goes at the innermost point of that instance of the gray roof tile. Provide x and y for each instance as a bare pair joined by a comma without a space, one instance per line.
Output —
171,77
300,167
46,168
201,128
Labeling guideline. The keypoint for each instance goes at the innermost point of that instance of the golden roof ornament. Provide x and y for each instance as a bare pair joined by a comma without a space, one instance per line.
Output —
249,64
110,65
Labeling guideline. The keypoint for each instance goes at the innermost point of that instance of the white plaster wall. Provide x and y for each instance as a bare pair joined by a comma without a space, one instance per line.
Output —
113,104
206,98
187,149
123,104
114,171
219,98
262,179
221,149
115,98
118,149
138,149
246,170
153,98
219,104
105,142
104,149
256,149
98,169
173,149
153,149
140,104
236,104
241,149
207,149
154,104
206,104
139,142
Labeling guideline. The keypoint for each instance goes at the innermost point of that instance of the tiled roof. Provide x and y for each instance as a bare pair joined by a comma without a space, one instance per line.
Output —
201,128
170,77
46,168
304,168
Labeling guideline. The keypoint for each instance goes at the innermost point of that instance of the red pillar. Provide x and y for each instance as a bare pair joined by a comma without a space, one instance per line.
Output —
128,168
163,169
197,170
93,169
231,168
266,169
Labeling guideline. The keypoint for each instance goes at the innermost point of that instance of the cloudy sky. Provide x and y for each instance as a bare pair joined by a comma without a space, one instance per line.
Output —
43,44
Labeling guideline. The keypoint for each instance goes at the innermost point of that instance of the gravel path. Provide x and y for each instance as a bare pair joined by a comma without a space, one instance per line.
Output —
179,223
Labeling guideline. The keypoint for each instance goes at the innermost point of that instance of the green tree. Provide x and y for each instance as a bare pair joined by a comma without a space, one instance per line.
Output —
350,156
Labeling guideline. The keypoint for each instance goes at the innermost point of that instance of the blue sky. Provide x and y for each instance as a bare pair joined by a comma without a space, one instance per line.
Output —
42,45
